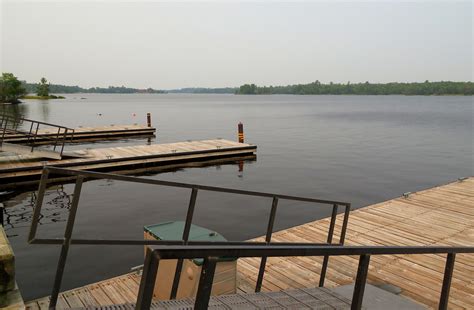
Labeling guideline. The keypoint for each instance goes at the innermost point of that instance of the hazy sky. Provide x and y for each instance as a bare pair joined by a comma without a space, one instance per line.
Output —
171,45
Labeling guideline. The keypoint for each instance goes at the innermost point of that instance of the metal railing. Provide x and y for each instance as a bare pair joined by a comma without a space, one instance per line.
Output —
211,253
80,176
14,126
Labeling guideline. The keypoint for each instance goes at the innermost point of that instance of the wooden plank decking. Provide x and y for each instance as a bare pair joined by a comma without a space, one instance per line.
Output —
23,149
24,170
48,135
438,216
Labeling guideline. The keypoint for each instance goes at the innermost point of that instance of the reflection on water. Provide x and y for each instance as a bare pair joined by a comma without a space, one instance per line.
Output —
19,211
23,110
45,111
15,110
241,169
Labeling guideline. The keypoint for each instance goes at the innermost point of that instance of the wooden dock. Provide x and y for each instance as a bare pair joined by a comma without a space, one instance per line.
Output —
25,170
438,216
85,134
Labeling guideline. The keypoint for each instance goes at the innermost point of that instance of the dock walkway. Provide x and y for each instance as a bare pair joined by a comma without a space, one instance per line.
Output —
438,216
442,215
25,170
85,134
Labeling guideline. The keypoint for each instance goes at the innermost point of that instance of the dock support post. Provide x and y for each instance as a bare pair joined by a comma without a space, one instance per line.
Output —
148,119
241,132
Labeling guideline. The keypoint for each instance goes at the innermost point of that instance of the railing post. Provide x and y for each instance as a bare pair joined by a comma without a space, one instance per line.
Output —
34,138
345,222
185,238
64,141
4,131
205,283
448,275
57,138
39,203
66,243
30,133
361,279
268,238
324,267
147,282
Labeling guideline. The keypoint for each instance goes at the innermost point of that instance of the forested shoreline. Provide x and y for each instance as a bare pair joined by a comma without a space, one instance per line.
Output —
12,89
316,88
65,89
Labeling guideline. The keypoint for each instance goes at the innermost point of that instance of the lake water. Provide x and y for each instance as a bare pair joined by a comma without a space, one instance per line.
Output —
360,149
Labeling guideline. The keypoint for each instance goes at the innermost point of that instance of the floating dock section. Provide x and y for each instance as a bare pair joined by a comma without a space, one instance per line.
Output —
25,170
438,216
85,134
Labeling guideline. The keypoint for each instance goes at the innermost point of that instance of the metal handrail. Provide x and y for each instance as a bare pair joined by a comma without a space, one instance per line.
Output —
80,176
32,133
20,118
118,177
211,253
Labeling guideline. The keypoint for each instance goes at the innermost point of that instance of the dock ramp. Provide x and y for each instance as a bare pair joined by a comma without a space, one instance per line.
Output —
29,131
27,150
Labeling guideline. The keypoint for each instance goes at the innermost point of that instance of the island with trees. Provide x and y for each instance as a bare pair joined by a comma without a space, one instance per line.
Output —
317,88
42,91
12,89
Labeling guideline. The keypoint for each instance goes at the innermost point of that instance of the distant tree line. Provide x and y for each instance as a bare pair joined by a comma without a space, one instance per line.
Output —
12,89
201,90
318,88
64,89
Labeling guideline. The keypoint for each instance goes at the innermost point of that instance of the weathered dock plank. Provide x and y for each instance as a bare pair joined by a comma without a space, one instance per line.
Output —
21,170
429,217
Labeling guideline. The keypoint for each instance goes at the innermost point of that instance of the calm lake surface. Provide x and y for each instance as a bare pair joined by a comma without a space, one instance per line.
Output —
360,149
